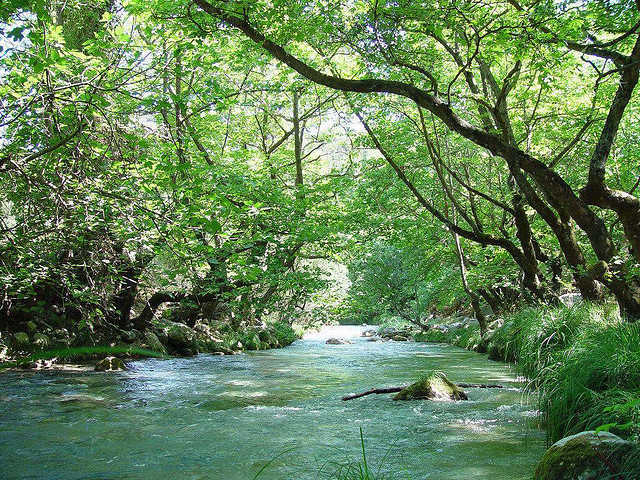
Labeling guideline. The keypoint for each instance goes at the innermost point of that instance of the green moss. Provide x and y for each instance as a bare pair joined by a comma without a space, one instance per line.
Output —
434,385
586,456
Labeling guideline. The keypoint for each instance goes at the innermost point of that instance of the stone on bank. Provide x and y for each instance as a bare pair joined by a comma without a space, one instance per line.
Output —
584,456
109,364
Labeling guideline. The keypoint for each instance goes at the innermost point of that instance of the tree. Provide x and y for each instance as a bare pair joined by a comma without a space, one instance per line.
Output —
393,32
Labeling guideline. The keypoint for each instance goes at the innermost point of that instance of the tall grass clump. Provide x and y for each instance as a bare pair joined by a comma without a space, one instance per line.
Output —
542,341
583,363
594,382
535,336
359,470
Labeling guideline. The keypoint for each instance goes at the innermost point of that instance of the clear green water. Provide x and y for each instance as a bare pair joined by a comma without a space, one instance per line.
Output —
213,417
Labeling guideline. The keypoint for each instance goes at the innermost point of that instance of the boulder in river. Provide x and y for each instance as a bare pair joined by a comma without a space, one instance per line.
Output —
434,386
369,333
585,456
110,364
337,341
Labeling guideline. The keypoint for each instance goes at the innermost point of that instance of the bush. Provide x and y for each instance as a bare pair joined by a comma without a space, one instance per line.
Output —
285,334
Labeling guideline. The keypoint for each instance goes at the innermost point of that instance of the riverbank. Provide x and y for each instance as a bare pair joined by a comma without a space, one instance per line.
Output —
60,349
582,364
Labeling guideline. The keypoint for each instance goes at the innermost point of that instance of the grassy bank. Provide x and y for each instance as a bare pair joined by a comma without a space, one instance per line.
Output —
166,339
582,363
82,354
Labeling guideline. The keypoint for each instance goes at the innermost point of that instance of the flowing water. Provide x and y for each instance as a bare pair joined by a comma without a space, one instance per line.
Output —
225,417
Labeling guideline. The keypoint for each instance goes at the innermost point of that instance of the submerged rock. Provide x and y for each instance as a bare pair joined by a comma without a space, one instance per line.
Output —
435,386
337,341
81,399
584,456
110,364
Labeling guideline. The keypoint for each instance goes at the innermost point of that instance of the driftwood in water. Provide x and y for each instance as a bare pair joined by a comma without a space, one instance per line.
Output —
379,391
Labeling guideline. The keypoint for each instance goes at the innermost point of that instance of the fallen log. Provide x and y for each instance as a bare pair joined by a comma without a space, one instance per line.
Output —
378,391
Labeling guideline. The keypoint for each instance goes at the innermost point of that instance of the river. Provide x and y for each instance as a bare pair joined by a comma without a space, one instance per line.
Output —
224,417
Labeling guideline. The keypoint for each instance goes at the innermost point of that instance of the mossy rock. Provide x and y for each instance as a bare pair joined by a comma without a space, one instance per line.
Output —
151,341
399,338
21,341
110,364
584,456
434,386
129,336
41,341
181,339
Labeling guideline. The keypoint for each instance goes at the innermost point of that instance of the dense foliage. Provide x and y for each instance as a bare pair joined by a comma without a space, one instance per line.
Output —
219,157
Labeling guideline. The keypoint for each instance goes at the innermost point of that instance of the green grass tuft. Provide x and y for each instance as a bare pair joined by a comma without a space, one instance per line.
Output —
89,353
582,363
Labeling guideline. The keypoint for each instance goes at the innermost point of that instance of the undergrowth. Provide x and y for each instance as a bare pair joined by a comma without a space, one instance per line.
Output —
582,363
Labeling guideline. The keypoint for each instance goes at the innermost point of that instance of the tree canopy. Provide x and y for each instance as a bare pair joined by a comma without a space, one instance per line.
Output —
222,157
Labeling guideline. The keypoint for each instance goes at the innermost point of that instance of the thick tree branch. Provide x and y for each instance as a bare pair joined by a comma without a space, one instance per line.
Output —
557,190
